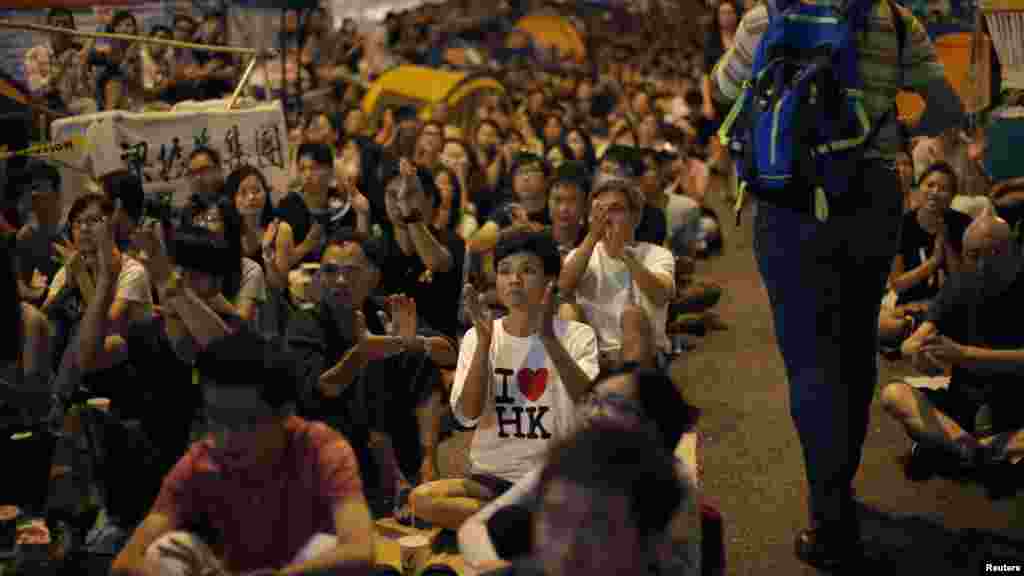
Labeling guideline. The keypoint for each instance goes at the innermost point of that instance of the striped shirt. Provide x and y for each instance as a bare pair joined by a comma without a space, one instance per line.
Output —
879,62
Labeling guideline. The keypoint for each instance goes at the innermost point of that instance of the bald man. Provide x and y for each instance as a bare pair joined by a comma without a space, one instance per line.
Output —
975,332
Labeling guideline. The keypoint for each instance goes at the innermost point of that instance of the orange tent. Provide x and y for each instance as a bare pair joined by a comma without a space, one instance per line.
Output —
954,51
554,31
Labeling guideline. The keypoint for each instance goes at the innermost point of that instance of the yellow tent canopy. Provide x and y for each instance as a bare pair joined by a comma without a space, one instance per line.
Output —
424,87
550,30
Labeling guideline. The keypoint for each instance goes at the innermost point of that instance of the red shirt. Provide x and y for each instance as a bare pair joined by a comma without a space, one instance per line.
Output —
265,516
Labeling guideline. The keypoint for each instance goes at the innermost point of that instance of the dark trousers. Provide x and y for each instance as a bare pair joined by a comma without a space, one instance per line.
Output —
825,282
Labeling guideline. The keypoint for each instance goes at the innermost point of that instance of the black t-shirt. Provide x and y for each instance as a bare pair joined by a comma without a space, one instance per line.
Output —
437,295
915,242
652,228
983,309
293,210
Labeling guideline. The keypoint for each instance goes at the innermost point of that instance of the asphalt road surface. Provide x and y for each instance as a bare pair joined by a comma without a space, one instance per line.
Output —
754,470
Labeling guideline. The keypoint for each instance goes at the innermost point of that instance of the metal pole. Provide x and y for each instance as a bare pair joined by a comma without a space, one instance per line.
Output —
242,82
128,37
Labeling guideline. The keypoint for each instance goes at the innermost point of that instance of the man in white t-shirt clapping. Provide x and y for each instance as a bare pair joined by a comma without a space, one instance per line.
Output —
623,287
517,380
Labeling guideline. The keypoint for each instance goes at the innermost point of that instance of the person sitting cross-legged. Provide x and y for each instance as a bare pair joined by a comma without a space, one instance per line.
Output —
518,380
973,327
279,493
621,285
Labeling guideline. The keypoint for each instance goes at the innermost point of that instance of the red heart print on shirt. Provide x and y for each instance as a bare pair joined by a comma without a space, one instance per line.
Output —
532,383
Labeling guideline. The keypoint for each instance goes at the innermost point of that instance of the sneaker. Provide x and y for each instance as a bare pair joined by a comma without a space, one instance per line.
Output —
828,553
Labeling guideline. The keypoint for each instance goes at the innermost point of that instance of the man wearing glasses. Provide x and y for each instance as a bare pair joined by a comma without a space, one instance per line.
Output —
355,375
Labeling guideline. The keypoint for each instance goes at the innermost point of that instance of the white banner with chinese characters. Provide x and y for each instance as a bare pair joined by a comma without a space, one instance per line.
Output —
157,145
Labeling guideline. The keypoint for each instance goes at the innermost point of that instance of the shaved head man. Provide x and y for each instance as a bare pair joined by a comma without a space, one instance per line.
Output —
989,235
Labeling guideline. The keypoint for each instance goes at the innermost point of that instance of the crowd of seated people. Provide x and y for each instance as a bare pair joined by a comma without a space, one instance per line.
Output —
520,277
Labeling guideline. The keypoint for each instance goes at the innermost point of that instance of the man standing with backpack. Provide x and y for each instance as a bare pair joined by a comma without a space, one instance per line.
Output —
816,140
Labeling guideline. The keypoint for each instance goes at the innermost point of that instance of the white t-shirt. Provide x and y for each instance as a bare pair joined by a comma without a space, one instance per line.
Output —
252,286
527,406
132,283
607,287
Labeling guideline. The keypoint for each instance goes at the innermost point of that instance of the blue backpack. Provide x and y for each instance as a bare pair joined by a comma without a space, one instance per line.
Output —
799,128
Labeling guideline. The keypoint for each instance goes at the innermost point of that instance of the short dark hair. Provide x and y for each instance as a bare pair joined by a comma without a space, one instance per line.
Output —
196,248
124,185
153,30
245,359
942,168
83,202
320,153
373,249
214,156
540,244
613,460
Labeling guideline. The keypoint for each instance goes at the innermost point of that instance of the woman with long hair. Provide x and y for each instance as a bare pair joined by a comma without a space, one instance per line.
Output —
243,290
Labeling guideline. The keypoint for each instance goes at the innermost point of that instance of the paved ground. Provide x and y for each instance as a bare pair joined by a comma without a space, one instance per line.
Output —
752,461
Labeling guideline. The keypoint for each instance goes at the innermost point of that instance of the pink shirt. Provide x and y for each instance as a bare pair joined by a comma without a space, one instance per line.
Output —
265,516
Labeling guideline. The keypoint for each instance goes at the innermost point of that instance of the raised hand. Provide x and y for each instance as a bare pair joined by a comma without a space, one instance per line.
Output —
546,326
598,219
478,312
403,315
108,260
359,202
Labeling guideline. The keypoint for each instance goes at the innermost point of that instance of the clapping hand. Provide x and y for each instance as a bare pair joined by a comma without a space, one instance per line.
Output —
403,315
944,350
108,260
478,313
546,327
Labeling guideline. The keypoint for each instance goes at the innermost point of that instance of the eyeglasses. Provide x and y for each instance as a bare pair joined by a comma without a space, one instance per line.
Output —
613,402
90,221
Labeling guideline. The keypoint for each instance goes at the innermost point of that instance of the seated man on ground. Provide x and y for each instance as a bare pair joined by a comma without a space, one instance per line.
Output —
607,497
621,285
358,378
973,329
643,399
278,492
931,248
518,380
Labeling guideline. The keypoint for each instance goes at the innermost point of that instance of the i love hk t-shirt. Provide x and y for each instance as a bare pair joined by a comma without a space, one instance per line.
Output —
526,406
